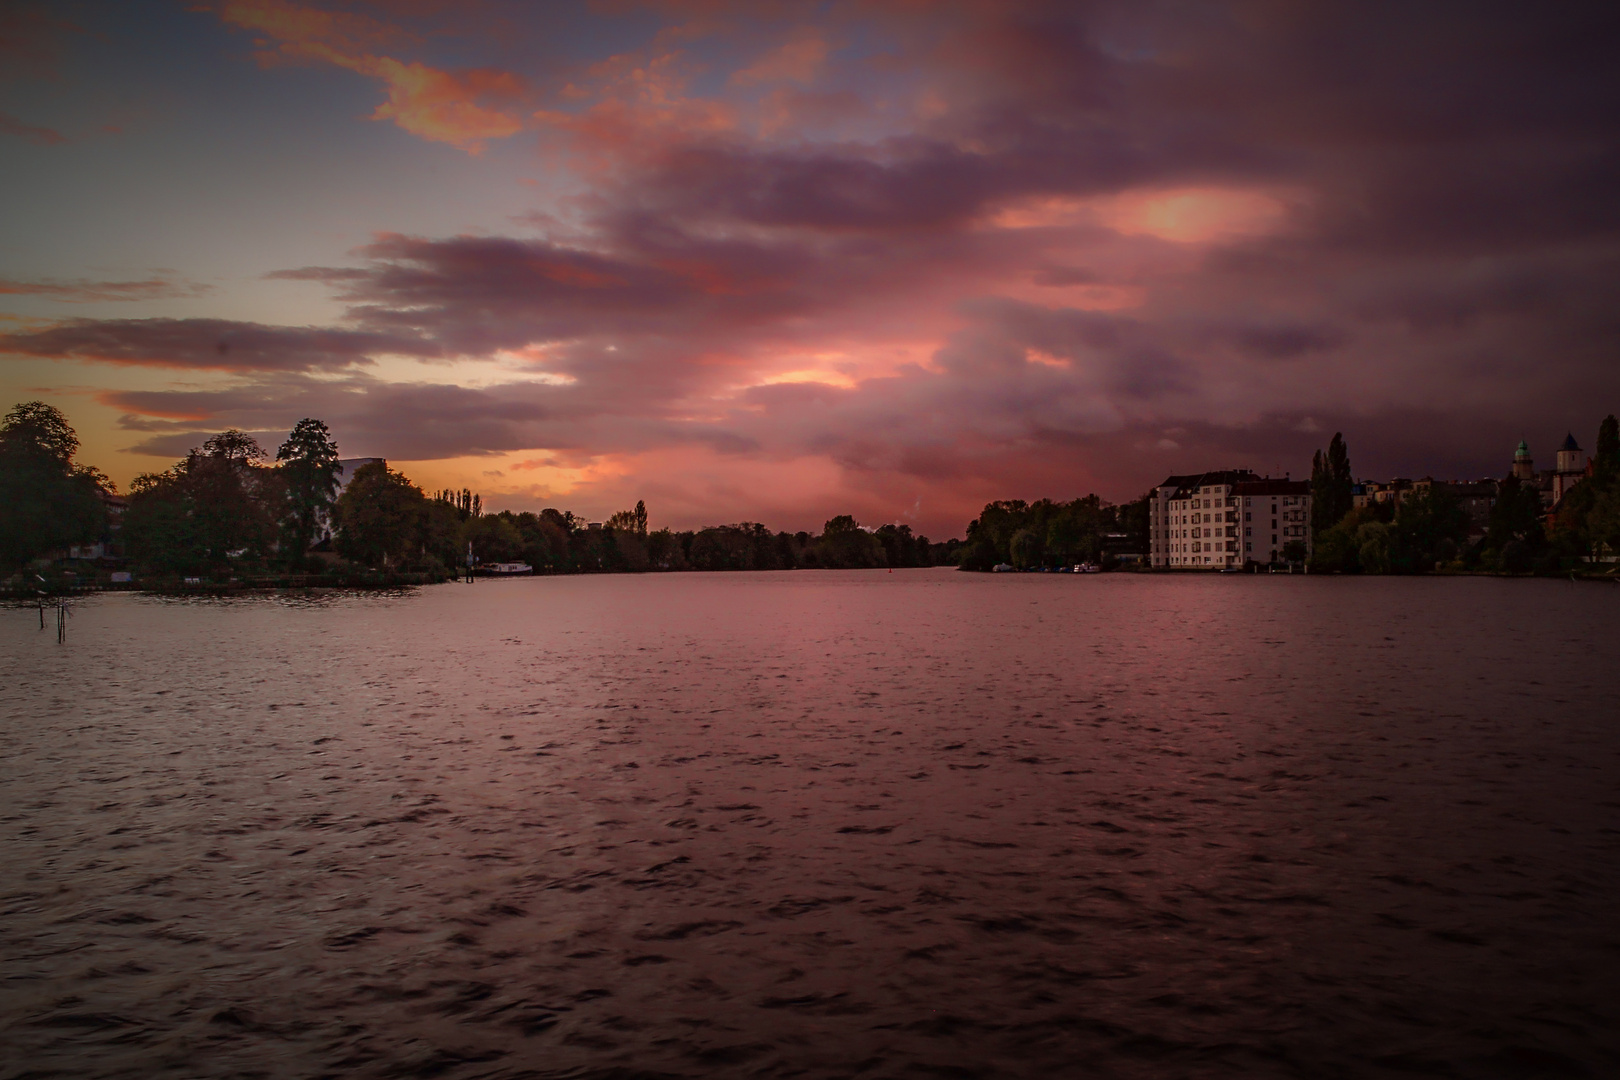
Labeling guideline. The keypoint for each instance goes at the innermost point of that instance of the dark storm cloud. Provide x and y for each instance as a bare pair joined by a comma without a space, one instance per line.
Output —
214,344
410,421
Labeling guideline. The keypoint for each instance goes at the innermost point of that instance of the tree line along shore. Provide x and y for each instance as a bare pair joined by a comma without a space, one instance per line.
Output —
230,515
1427,528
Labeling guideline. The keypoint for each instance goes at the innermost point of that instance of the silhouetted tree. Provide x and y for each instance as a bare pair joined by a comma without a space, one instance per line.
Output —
46,501
1332,486
309,472
380,517
1430,527
217,508
1515,537
844,545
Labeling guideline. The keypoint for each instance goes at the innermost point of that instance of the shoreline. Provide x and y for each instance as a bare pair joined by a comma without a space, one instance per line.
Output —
364,582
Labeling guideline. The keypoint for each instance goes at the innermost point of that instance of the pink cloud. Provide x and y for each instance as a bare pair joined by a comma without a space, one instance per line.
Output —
160,287
465,109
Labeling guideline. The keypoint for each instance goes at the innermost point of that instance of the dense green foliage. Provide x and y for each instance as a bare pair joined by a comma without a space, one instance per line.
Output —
1049,534
1428,529
558,542
49,502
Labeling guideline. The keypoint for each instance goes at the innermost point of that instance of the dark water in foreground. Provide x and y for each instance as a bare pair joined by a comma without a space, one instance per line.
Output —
818,824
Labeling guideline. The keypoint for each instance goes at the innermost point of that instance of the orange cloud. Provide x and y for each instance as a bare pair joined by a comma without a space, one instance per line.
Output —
464,109
641,109
1182,215
797,61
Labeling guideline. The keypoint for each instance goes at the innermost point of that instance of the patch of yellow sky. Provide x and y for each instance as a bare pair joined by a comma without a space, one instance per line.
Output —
1194,215
684,486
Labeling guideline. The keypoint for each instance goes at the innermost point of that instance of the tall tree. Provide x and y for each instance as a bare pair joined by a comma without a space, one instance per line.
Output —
49,502
1606,454
1332,485
1576,529
309,469
1605,520
630,521
1514,536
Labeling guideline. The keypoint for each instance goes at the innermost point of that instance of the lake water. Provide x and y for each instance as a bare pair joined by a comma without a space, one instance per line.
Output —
817,824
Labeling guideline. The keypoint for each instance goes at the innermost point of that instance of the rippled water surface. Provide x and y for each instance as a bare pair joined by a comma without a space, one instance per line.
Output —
817,824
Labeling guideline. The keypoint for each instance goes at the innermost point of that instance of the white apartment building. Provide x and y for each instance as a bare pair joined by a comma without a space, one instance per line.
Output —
1222,520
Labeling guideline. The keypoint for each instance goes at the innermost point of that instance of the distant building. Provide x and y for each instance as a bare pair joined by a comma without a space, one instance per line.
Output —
109,546
1524,466
1571,468
1476,499
1552,484
1221,520
1370,492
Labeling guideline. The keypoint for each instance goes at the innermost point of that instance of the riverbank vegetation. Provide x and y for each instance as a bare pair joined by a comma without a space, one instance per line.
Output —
1428,528
228,513
50,501
1048,534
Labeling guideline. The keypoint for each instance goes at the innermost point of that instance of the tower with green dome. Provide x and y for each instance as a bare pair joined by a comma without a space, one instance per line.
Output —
1524,468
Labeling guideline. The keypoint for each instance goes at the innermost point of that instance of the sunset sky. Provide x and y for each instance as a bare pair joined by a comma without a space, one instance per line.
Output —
778,261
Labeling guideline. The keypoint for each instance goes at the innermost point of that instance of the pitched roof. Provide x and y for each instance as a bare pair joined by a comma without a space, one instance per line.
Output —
1570,443
1185,485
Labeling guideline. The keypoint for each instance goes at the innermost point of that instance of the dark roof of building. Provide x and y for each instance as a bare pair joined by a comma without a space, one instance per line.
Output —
1273,487
1185,485
1570,443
